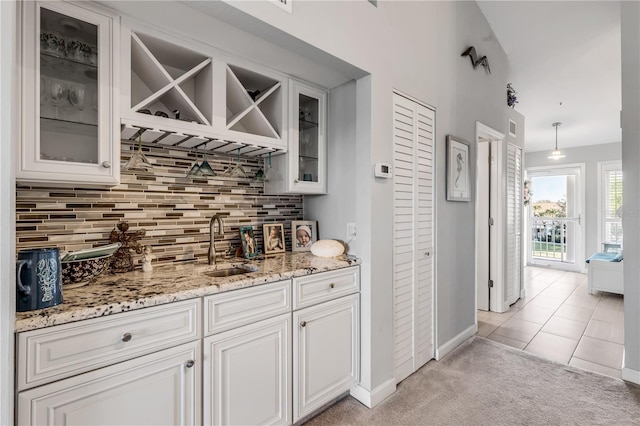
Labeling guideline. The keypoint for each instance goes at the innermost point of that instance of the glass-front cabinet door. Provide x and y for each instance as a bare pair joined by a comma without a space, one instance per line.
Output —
308,148
69,121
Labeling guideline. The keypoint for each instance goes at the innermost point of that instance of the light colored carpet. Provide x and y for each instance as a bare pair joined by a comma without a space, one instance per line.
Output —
486,383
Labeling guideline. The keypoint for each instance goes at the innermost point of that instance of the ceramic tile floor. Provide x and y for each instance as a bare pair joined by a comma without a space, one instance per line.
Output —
561,321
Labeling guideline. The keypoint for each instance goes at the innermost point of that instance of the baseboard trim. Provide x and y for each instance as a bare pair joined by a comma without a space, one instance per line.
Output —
376,396
456,341
630,375
523,293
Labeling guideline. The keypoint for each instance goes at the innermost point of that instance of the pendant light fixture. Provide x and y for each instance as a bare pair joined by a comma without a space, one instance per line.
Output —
556,154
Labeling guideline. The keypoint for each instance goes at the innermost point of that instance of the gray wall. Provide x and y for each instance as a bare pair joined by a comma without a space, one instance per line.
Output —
410,46
413,47
590,156
630,13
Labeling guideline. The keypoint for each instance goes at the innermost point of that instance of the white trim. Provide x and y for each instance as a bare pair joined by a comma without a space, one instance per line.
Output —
376,396
497,195
456,341
630,375
9,132
601,166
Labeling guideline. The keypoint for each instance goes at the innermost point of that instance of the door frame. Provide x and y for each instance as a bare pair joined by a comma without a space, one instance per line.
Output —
581,195
486,134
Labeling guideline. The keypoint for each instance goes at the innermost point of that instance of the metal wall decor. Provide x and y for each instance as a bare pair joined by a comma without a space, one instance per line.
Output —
475,61
512,99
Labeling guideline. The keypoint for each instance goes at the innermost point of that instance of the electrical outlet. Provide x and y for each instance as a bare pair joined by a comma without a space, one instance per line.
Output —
351,231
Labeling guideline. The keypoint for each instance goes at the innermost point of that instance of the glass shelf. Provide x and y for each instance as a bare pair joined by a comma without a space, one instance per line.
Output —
68,127
50,55
306,125
308,157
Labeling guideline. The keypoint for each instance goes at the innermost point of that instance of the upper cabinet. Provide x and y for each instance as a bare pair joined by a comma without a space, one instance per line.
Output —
197,98
303,169
69,117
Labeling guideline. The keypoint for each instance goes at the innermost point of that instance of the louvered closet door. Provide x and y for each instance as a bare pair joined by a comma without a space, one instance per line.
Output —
514,223
413,235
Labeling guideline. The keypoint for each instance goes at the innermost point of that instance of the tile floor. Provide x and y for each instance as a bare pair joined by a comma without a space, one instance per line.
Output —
561,321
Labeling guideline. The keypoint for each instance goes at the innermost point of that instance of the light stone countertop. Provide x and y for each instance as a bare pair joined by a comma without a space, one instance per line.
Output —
114,293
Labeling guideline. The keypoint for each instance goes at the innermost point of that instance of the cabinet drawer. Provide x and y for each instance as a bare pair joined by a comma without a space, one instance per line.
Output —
62,351
317,288
162,388
236,308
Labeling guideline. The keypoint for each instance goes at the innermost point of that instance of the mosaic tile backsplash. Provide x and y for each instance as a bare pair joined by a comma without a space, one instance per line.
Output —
174,210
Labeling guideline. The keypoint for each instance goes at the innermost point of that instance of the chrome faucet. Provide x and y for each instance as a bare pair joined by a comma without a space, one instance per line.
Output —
212,251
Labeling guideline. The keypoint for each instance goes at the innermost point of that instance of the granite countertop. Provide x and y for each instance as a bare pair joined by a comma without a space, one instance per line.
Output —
113,293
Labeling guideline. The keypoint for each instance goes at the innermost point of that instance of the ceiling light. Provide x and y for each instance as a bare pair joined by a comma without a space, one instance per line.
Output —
556,154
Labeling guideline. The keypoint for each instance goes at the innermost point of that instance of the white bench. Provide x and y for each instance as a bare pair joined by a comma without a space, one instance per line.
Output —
605,276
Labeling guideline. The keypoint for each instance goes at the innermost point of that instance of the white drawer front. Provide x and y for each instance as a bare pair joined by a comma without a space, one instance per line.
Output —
317,288
62,351
236,308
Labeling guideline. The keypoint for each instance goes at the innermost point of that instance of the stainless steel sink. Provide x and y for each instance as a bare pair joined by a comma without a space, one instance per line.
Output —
227,272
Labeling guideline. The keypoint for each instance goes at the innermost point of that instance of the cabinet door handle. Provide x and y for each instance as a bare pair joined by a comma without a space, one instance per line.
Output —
190,363
303,324
126,337
332,285
106,164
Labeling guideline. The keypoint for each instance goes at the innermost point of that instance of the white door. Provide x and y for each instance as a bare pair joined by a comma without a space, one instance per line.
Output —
247,374
158,389
413,235
513,254
555,217
326,353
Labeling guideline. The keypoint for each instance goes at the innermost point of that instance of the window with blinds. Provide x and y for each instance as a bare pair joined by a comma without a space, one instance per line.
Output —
610,206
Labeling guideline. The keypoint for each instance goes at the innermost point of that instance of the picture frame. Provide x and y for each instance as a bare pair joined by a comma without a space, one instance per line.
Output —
303,234
458,170
248,239
273,238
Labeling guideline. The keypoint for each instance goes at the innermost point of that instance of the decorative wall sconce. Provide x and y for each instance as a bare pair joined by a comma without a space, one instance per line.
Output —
475,61
512,99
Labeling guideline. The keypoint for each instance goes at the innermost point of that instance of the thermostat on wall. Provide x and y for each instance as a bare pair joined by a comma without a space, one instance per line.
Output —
383,170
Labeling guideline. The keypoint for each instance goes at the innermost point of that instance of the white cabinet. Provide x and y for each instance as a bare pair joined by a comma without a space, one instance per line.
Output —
65,350
139,367
326,353
199,98
260,363
158,389
247,374
69,116
303,169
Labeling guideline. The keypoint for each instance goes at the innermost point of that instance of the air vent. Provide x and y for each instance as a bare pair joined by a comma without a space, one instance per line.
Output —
283,4
512,128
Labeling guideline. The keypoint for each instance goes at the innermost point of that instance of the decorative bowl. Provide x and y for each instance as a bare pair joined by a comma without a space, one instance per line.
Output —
77,273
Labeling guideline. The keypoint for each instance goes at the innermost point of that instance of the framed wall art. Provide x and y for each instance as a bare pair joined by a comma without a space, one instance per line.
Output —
458,178
273,236
249,246
303,234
